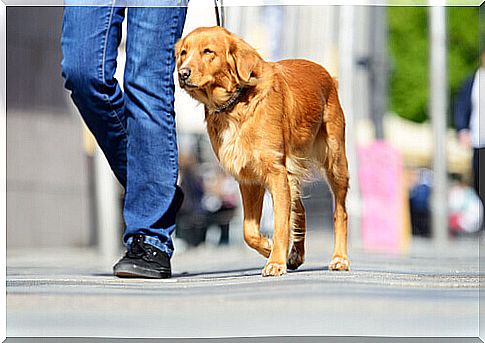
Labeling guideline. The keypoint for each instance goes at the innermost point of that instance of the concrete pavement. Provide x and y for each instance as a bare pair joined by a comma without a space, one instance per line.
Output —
431,291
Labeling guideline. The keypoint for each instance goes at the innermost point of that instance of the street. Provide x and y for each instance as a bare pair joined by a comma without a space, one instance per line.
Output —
431,291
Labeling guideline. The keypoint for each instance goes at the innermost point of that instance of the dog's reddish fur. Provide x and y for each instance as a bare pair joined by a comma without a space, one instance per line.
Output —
288,121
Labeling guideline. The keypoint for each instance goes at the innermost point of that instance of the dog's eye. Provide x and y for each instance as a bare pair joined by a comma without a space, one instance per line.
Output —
208,51
183,53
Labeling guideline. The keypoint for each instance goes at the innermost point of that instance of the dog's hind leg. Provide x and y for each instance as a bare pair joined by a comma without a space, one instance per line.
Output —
252,198
336,170
297,225
298,231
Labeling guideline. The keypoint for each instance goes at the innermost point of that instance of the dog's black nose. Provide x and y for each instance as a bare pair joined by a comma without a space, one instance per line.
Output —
184,73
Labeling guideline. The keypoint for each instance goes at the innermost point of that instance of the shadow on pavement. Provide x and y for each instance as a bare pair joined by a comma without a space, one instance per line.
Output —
216,274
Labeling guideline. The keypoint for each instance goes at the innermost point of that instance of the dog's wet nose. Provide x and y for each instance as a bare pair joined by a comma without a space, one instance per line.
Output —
184,73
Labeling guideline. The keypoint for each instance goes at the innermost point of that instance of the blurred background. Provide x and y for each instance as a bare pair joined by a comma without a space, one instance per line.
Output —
400,70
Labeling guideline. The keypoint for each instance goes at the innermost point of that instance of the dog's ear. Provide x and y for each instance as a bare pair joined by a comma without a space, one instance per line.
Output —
248,63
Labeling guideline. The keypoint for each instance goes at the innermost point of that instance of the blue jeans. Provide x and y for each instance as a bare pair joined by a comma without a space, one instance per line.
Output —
135,128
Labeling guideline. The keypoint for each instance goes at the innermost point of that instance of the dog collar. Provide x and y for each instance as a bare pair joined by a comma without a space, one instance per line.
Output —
232,100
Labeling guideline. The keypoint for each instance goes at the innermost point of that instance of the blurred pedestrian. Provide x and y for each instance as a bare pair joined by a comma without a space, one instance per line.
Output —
135,128
464,208
220,201
419,201
469,113
192,217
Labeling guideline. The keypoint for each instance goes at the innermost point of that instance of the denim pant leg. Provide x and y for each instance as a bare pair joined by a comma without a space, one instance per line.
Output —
152,166
90,39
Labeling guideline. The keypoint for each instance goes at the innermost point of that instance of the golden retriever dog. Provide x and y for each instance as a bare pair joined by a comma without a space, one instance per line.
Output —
269,125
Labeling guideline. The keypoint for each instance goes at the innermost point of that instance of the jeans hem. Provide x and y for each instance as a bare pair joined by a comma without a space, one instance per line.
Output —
155,242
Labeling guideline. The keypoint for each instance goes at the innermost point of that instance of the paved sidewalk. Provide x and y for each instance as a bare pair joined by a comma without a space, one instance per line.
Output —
219,292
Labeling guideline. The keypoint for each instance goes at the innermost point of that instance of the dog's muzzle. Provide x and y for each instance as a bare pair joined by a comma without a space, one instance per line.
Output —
184,73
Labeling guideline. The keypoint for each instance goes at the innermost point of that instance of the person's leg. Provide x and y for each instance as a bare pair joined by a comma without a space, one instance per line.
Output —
90,39
478,162
224,238
477,165
481,167
475,170
151,200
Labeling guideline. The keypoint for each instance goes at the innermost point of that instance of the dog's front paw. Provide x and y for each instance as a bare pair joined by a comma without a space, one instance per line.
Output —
339,263
274,269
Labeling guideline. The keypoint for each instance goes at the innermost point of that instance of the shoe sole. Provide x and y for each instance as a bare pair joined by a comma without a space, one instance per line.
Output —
134,271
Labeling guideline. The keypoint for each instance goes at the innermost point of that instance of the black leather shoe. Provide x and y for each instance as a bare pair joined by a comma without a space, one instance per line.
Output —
143,260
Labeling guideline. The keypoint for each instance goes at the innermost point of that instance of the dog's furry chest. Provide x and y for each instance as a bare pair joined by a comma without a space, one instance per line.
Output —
232,151
236,148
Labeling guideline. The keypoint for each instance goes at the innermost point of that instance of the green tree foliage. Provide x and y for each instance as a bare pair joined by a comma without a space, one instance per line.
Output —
463,45
409,49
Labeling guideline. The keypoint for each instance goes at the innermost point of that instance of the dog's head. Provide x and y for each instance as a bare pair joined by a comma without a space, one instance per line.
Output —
212,63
